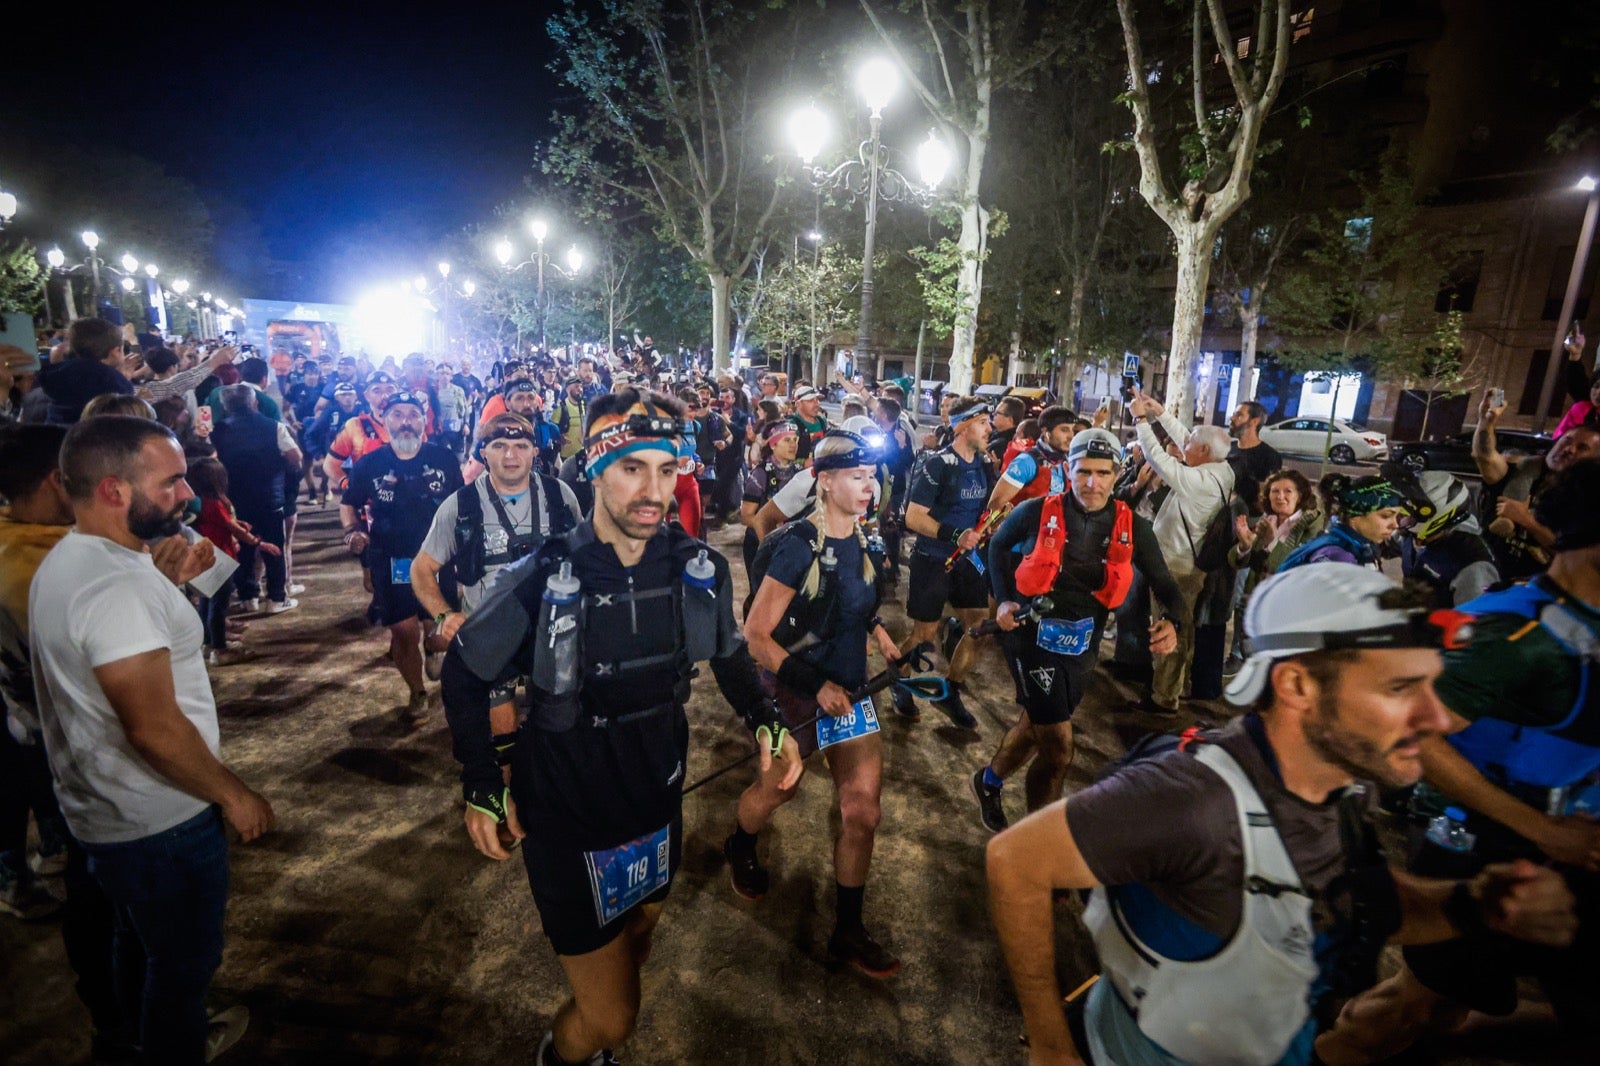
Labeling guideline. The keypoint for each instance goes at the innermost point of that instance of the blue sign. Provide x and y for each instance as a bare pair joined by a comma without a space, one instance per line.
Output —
1130,365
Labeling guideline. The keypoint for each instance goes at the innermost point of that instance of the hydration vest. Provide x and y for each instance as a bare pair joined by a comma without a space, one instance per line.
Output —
472,559
1046,464
1541,756
805,621
1039,569
1246,1003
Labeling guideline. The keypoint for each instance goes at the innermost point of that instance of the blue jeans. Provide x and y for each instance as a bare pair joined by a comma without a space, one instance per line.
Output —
169,892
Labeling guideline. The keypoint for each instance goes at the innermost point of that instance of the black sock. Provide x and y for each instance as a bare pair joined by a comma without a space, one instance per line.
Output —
742,842
550,1058
848,905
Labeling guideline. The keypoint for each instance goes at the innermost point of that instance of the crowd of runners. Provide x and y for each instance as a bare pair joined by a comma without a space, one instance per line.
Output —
532,530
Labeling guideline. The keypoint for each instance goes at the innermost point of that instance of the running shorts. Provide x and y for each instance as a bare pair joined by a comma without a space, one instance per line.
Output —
932,586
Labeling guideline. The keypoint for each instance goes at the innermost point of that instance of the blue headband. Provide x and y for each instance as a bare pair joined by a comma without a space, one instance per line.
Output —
971,412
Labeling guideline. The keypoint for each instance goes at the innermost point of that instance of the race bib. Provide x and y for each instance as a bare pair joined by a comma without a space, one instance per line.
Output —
622,877
400,571
860,722
1061,637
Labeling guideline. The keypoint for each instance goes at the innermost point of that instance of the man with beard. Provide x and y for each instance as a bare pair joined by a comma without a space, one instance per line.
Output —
130,727
608,623
1237,888
399,486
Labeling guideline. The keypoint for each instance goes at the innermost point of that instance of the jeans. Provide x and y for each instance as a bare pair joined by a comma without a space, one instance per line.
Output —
214,616
268,525
170,892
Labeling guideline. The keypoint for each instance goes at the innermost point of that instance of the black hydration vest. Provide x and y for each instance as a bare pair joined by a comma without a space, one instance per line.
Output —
806,621
550,519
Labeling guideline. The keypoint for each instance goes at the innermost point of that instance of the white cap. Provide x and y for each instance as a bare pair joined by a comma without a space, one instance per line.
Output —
1294,612
1094,444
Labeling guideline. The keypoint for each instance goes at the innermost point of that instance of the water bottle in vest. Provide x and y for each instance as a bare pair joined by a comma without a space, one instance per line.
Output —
700,607
1449,831
555,662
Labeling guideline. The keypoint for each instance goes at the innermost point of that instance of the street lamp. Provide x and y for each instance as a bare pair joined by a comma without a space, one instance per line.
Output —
504,252
92,241
868,175
129,263
1580,258
8,208
445,290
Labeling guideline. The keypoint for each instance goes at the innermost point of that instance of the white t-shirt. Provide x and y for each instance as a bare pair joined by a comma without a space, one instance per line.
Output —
441,546
95,602
798,491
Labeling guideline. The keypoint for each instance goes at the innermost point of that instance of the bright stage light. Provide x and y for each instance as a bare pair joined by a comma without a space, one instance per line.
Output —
391,322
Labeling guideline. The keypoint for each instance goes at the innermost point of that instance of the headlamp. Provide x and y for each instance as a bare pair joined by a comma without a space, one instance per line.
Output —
861,453
1446,629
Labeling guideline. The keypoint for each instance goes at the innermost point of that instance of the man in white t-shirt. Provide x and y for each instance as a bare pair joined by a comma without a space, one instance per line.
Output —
130,726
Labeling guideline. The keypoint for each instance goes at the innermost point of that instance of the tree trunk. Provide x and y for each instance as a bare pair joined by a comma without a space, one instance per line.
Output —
1188,317
1070,365
973,243
721,291
1249,333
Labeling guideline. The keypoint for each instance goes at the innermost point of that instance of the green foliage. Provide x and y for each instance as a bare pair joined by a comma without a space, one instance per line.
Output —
1362,294
21,280
939,272
806,291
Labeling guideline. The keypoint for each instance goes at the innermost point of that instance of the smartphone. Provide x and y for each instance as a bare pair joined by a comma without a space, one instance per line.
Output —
202,420
1499,398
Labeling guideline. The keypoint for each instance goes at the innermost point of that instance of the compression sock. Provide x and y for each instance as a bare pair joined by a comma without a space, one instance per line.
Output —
992,779
848,905
740,841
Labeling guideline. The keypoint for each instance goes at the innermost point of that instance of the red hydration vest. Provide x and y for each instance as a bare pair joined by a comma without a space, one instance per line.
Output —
1037,574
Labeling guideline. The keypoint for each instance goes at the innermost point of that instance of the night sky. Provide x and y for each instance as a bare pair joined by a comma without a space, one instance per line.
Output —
356,141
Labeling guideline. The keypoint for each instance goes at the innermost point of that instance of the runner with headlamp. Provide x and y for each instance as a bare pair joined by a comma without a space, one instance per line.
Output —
814,613
607,623
1080,550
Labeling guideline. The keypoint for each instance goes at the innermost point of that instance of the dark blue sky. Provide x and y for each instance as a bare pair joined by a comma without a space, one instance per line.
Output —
357,141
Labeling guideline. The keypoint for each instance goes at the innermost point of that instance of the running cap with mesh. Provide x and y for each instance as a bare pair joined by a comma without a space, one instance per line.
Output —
803,393
1322,606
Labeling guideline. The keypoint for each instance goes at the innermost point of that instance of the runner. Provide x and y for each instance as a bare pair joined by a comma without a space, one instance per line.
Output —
780,446
386,512
1039,471
1363,512
808,419
1228,907
818,595
1447,550
502,516
597,772
1085,569
946,501
362,434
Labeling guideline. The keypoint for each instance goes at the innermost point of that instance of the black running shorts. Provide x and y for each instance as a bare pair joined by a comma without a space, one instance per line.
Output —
396,602
1049,686
559,877
932,586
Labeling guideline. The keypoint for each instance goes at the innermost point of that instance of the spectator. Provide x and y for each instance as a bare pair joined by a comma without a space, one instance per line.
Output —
130,726
18,372
1007,413
168,378
112,403
253,372
1201,481
219,523
256,450
93,366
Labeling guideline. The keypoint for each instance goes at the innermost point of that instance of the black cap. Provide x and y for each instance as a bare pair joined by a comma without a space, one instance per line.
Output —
417,400
378,377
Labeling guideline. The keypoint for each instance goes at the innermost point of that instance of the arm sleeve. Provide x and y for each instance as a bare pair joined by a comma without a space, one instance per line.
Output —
1020,526
485,650
179,383
1153,565
732,666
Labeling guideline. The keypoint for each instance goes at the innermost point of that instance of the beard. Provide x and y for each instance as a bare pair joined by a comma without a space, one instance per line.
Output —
147,521
632,526
1353,753
405,444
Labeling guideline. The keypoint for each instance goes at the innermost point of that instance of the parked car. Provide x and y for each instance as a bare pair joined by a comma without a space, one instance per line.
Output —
1306,436
1454,454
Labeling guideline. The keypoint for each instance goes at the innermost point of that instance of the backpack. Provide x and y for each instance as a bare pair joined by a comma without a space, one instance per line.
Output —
803,616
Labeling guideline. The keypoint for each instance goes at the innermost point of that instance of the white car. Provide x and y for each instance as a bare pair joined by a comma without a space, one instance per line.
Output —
1307,436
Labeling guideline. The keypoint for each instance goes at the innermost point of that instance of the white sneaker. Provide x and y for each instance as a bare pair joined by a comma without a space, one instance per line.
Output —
225,1029
279,606
295,590
250,606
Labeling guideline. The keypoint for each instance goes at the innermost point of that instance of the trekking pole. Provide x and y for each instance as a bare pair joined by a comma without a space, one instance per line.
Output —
929,687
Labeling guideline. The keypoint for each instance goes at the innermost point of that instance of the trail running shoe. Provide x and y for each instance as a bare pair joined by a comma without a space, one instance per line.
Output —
750,881
991,809
957,711
905,704
857,947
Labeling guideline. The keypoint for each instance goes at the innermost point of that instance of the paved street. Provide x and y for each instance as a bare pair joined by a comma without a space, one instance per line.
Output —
366,929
